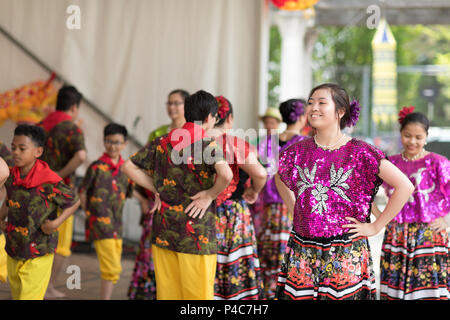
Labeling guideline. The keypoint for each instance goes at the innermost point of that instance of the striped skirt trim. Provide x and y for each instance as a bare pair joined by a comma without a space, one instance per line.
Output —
245,251
238,268
244,294
414,263
276,228
331,293
338,269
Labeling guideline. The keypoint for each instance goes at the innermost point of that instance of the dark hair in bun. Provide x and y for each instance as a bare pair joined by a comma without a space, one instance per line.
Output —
292,109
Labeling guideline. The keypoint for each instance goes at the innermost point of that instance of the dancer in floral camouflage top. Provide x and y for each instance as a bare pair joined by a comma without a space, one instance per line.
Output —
179,168
35,194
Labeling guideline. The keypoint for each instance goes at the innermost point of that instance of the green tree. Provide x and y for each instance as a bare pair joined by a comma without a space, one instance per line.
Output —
340,53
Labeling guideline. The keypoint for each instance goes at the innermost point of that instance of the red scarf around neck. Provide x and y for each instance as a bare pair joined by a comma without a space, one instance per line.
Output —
194,131
38,175
113,167
54,119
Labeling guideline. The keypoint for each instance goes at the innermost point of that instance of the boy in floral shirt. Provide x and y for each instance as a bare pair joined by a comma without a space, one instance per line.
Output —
102,193
186,171
35,193
64,152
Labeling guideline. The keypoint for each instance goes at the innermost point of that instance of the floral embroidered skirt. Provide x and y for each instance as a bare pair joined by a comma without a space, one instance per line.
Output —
329,269
143,283
272,242
414,263
238,270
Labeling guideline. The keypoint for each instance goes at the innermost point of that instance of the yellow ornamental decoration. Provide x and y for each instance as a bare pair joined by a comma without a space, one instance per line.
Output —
294,5
29,103
384,104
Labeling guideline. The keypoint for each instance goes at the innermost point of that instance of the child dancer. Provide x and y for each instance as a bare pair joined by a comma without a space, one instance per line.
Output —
34,195
143,285
238,268
182,165
276,219
64,152
102,193
415,253
329,181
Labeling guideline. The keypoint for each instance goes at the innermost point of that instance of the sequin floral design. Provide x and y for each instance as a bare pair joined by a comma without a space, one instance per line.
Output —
337,181
351,175
430,176
304,183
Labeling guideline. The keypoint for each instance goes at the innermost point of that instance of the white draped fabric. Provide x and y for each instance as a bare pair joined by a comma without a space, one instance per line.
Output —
128,54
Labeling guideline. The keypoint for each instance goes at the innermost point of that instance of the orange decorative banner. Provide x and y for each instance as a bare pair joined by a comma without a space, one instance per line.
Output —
293,5
29,103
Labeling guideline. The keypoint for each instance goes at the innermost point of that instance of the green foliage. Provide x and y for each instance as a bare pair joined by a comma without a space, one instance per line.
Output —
341,53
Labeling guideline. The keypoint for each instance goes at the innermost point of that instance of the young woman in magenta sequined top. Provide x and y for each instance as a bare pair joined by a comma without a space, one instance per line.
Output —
329,181
414,261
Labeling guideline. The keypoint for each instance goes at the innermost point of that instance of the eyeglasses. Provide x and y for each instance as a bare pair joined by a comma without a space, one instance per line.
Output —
176,103
114,143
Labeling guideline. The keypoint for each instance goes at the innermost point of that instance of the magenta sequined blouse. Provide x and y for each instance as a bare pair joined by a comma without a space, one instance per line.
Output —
431,179
330,185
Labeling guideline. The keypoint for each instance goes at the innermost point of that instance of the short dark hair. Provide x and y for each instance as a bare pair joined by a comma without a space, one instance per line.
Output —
415,117
115,128
199,105
183,93
340,98
35,133
67,97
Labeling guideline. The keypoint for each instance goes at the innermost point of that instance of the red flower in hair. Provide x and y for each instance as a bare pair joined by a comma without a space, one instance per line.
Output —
404,112
224,107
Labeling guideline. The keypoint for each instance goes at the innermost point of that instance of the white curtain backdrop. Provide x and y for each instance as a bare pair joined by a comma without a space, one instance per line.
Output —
129,54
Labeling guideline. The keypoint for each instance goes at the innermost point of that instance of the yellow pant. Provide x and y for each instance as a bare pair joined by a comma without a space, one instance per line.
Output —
28,279
182,276
65,231
109,253
3,269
